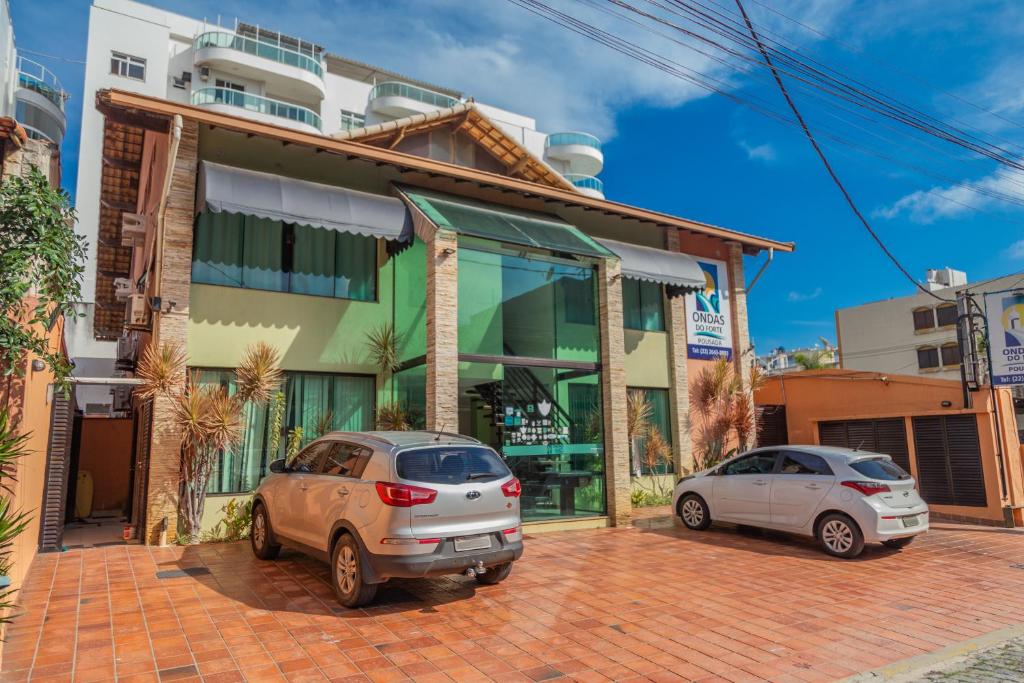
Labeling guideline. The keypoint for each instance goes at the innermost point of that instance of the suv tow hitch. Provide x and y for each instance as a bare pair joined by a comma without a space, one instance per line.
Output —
476,571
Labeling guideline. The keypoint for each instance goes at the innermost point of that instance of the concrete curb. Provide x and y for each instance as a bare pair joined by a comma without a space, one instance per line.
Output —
912,668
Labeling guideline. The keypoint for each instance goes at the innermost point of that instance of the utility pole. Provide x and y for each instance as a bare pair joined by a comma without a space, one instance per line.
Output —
967,340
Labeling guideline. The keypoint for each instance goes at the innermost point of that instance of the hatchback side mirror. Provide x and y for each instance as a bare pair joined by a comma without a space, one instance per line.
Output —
278,466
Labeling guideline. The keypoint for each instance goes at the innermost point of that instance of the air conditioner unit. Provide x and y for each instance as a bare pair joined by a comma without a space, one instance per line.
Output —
127,352
204,73
138,310
122,288
122,401
133,229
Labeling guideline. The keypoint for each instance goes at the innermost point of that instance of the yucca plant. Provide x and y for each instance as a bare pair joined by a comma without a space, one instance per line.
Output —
12,447
382,344
324,424
208,420
725,410
392,417
12,524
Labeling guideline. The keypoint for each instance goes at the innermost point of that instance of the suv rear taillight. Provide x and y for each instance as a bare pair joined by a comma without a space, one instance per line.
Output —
403,495
512,488
868,488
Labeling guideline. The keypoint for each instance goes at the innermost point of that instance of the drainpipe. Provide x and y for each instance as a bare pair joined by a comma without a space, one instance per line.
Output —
764,266
158,252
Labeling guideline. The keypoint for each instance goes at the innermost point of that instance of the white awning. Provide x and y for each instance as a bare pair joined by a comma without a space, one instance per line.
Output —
240,190
657,265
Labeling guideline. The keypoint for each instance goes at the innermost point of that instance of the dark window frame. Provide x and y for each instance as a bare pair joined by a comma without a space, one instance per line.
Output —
942,309
930,312
121,64
921,361
953,361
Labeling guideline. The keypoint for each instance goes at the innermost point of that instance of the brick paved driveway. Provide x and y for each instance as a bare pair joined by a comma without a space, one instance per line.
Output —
653,602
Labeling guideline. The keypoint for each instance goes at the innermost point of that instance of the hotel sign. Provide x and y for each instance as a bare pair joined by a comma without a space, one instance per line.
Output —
1004,312
708,318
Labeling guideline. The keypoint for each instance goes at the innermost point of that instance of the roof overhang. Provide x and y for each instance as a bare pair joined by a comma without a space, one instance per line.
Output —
118,103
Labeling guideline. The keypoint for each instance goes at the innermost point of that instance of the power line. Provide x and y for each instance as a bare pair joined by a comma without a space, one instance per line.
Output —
825,162
48,56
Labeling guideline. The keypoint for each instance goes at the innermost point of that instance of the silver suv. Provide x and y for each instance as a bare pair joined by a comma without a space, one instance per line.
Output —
382,505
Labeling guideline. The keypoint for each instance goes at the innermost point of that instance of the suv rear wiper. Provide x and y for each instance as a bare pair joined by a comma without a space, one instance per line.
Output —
479,475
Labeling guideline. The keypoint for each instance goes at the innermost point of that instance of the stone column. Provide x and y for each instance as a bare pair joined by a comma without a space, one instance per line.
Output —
172,328
679,387
741,330
442,330
613,391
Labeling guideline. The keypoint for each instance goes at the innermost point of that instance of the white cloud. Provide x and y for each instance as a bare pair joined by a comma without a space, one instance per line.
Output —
764,152
804,296
939,203
1015,250
508,57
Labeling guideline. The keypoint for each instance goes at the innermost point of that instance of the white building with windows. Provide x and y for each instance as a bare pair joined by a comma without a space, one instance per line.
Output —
253,71
912,334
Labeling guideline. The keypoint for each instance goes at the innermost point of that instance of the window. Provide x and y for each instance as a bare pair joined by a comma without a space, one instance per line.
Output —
319,403
647,458
308,459
229,85
879,468
450,465
927,357
950,355
346,460
924,319
758,463
946,314
127,66
795,462
236,250
642,305
579,299
351,120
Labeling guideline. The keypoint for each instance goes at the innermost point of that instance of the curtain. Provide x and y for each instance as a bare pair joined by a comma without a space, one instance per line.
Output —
659,419
353,403
355,267
262,257
240,468
642,305
313,260
349,398
217,249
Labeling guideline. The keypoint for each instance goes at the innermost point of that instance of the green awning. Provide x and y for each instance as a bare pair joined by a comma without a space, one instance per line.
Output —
504,224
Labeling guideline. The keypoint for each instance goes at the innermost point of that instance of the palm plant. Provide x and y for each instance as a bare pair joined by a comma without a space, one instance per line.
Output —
382,344
725,410
816,360
324,423
12,446
208,420
392,417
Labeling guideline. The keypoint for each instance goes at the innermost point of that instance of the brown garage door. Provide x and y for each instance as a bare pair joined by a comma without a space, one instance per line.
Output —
949,467
771,426
887,436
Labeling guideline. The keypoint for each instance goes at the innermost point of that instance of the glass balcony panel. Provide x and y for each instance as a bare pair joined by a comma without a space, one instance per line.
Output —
588,182
36,77
412,92
256,103
572,139
257,48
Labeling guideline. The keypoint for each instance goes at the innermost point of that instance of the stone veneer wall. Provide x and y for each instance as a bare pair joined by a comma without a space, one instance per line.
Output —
613,391
172,328
679,387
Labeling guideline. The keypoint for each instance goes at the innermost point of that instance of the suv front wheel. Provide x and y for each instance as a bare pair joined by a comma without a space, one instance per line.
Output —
347,574
260,534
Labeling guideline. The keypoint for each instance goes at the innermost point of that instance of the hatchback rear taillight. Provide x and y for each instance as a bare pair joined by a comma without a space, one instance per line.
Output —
868,488
512,488
403,495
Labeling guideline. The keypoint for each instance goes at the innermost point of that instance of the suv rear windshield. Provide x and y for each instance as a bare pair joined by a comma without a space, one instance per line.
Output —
450,465
880,468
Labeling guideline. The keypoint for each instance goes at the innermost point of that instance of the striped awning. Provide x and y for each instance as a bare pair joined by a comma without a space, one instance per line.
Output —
266,195
657,265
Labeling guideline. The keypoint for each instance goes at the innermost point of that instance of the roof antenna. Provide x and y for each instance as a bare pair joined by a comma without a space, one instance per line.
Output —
860,444
438,437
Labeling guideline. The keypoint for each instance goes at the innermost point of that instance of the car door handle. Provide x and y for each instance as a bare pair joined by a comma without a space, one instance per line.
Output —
342,492
760,482
813,487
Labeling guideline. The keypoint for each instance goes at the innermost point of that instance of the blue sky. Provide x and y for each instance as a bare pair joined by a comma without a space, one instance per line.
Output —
671,147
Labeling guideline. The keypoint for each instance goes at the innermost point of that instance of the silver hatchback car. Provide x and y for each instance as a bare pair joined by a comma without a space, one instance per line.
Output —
382,505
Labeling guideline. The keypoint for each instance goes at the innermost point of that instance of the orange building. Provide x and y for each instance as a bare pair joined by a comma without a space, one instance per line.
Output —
967,461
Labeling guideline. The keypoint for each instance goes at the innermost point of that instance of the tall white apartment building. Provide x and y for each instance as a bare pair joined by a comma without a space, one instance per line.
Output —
29,92
256,72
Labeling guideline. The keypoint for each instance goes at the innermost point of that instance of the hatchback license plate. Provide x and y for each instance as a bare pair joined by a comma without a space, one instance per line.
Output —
472,543
912,520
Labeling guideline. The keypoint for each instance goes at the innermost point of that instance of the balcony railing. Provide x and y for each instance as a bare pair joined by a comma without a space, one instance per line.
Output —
258,48
394,89
37,77
587,182
256,103
572,139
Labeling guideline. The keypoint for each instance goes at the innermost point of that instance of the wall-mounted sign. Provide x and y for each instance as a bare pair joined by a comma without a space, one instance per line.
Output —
708,318
1005,314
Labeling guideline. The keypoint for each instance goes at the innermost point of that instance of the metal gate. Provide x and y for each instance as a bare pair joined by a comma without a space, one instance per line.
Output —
949,469
772,429
55,484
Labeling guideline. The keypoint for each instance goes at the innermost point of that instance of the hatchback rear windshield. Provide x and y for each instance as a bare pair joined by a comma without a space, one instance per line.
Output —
451,465
880,468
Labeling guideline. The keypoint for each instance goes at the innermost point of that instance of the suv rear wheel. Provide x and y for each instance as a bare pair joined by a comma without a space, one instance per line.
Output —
260,534
347,574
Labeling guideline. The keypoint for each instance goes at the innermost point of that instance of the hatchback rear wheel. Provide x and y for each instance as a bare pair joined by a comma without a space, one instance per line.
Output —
347,574
694,512
840,536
